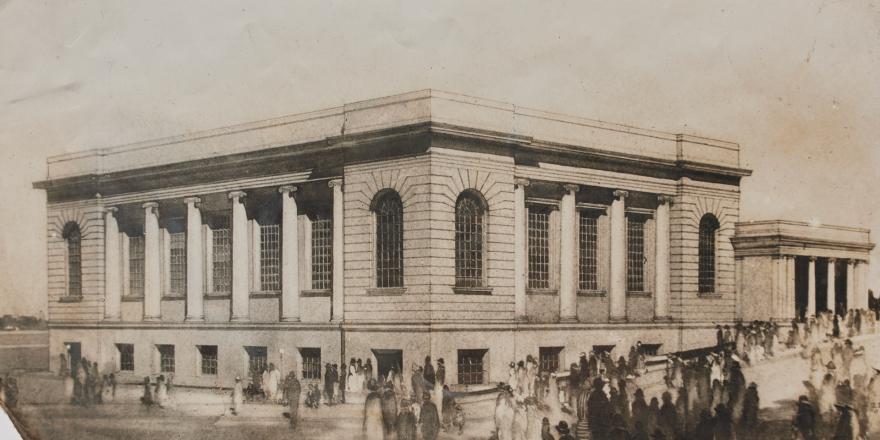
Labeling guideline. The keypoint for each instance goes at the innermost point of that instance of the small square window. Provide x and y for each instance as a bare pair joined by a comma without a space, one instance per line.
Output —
651,349
209,359
548,358
257,360
470,366
311,363
126,356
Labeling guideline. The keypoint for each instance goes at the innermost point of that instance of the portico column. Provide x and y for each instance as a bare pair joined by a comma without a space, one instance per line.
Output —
862,292
195,289
661,271
289,256
152,268
790,310
850,287
240,305
567,291
832,297
519,243
338,313
112,276
811,288
618,257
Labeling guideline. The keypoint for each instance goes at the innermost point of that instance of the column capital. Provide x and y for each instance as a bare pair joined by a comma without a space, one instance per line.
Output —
334,183
572,187
237,194
832,260
150,205
110,210
522,182
287,189
621,193
665,199
193,200
851,261
812,258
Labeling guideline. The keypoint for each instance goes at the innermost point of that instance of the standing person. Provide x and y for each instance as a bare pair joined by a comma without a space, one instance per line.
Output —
389,410
640,409
429,418
719,337
504,413
351,383
564,432
583,368
328,383
545,430
374,427
805,419
293,393
161,391
706,428
598,410
618,429
668,421
339,386
737,392
104,391
406,422
237,396
418,386
429,375
112,386
847,425
447,413
64,370
368,370
724,424
593,363
846,357
147,398
361,377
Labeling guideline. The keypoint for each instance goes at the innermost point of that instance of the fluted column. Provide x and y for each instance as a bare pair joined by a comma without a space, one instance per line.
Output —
790,309
832,295
338,312
152,266
112,272
568,267
618,257
811,288
289,256
661,271
520,279
195,286
850,285
240,297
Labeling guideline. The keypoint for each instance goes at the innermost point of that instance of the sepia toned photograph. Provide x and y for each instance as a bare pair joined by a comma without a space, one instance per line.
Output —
390,220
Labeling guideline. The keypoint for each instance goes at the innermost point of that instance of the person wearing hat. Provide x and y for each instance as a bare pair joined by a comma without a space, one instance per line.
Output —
406,422
429,418
737,392
805,419
389,410
598,410
828,396
564,432
848,424
428,374
293,391
237,396
374,427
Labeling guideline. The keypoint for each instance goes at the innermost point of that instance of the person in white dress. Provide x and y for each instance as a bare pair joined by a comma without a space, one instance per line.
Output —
161,392
237,396
274,378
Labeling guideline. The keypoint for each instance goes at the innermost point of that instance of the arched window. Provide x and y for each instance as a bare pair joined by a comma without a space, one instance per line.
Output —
389,240
708,226
469,214
74,259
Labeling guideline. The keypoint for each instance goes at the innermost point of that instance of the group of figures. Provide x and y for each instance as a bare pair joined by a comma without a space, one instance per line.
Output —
84,385
393,411
160,394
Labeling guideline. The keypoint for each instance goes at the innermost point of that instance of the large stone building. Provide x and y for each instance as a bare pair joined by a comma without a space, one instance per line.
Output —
420,224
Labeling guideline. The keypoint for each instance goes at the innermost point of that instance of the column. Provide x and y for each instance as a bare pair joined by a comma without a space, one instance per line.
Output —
811,288
661,271
777,277
832,295
112,275
338,312
862,292
520,218
240,297
152,268
738,280
195,290
166,262
289,257
618,257
568,265
850,285
790,310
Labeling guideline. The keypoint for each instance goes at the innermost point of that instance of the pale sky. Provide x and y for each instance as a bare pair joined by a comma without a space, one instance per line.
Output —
795,83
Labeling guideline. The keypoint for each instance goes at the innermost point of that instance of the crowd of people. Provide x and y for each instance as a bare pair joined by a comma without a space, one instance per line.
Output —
85,385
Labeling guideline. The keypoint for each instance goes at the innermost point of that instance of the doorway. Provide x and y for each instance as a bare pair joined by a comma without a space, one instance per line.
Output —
74,354
385,359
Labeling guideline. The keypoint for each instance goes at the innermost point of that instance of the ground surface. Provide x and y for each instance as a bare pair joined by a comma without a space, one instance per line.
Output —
780,382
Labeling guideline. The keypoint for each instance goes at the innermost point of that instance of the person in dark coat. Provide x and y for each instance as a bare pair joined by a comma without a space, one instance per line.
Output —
805,419
706,428
723,423
668,420
328,383
440,375
406,422
147,399
593,364
618,429
429,418
374,427
622,367
584,369
429,375
448,408
341,378
750,408
848,424
293,390
639,432
598,410
844,393
737,392
389,410
640,409
418,385
545,430
564,432
719,337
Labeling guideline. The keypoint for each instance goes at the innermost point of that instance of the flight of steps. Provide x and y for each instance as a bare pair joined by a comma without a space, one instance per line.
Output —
582,431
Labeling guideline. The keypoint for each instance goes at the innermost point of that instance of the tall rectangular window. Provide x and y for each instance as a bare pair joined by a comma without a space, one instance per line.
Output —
222,257
166,358
470,367
588,255
257,359
539,247
635,255
469,213
322,254
209,359
311,363
136,265
389,241
548,358
178,263
74,262
270,258
126,356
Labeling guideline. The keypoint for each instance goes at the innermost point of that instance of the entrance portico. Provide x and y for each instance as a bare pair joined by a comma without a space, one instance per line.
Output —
805,269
